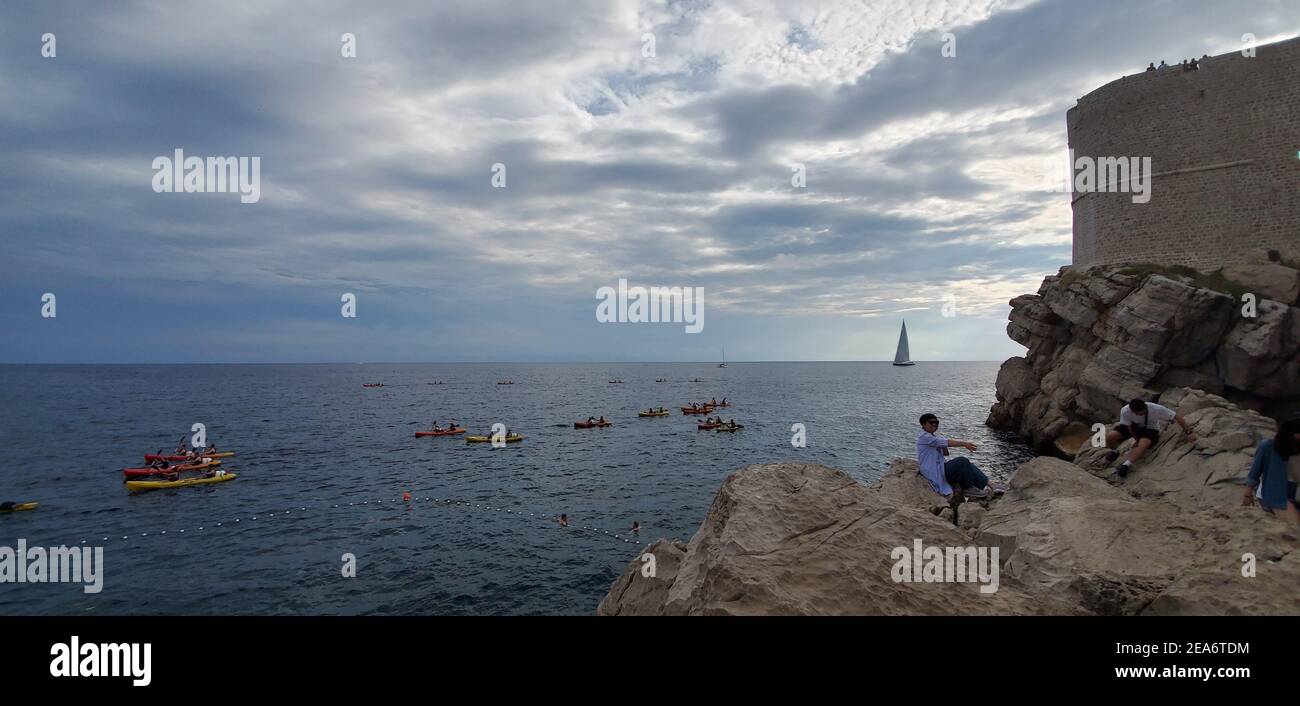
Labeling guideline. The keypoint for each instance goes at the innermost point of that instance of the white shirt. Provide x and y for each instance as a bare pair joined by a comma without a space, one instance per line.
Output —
1155,414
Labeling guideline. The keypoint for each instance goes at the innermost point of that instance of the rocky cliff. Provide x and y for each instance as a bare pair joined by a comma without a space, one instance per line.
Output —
1172,538
1102,336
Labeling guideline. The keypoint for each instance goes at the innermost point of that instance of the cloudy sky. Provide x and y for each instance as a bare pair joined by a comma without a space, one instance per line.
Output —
673,168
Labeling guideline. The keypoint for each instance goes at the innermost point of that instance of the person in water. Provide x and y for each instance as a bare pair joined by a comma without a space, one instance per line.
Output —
1138,420
1274,477
943,475
636,528
564,520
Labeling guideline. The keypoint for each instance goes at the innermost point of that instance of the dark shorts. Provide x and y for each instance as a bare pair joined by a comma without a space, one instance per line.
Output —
1140,432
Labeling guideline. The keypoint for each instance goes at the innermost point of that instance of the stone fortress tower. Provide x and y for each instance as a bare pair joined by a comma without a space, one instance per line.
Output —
1224,142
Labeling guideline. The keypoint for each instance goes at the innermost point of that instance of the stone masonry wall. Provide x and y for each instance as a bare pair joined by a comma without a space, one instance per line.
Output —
1240,117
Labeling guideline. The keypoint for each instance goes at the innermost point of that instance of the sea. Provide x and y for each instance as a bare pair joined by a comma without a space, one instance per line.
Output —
317,521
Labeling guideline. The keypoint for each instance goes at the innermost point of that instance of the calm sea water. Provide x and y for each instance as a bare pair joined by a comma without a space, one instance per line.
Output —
323,462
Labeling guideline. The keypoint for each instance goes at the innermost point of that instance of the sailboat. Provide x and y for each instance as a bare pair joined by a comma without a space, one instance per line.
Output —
903,356
723,364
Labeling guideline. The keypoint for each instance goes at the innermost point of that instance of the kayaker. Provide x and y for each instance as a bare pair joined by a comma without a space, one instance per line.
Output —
453,424
591,420
724,401
714,401
602,419
435,426
180,446
564,520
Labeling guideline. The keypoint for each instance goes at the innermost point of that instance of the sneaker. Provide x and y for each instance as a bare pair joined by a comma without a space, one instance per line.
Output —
1111,456
977,493
1122,470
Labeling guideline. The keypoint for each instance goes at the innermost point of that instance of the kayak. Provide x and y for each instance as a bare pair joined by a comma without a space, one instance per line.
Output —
591,425
700,410
18,507
182,483
721,404
367,384
738,427
482,439
142,472
707,426
445,432
158,457
652,414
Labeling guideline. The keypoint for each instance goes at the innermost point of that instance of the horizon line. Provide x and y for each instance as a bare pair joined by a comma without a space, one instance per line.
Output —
506,362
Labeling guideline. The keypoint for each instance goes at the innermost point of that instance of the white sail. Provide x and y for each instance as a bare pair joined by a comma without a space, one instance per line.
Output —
903,356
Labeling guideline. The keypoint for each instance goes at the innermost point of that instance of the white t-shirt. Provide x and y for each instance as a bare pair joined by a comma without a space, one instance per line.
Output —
1154,415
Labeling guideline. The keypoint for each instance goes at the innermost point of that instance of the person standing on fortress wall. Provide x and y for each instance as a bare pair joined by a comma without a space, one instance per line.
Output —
930,450
1275,475
1163,65
1151,66
1138,420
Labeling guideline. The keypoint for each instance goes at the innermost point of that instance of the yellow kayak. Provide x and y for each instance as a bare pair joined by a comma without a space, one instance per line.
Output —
18,507
182,483
482,439
652,414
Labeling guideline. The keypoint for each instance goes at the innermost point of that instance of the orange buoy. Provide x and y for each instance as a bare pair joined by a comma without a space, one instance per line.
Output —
406,496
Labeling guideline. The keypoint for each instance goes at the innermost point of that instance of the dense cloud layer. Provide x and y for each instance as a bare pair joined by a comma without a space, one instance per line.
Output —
923,171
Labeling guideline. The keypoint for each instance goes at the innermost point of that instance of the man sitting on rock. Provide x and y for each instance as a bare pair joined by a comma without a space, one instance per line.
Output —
1138,420
930,450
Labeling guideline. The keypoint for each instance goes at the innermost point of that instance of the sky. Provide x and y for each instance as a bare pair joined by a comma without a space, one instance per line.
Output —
649,141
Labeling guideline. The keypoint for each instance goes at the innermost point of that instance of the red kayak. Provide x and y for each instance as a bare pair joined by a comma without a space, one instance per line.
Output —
142,472
444,432
591,425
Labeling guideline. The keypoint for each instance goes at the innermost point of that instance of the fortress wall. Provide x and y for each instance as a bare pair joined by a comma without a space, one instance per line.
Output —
1238,116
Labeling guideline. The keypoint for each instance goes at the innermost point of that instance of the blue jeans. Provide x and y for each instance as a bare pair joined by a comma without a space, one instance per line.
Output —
962,473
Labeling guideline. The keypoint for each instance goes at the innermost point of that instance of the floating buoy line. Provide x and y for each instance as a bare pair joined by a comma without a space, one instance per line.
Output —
406,499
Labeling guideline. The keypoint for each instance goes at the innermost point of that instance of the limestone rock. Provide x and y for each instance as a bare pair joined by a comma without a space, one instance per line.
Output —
802,539
1268,281
1262,354
633,591
1101,336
